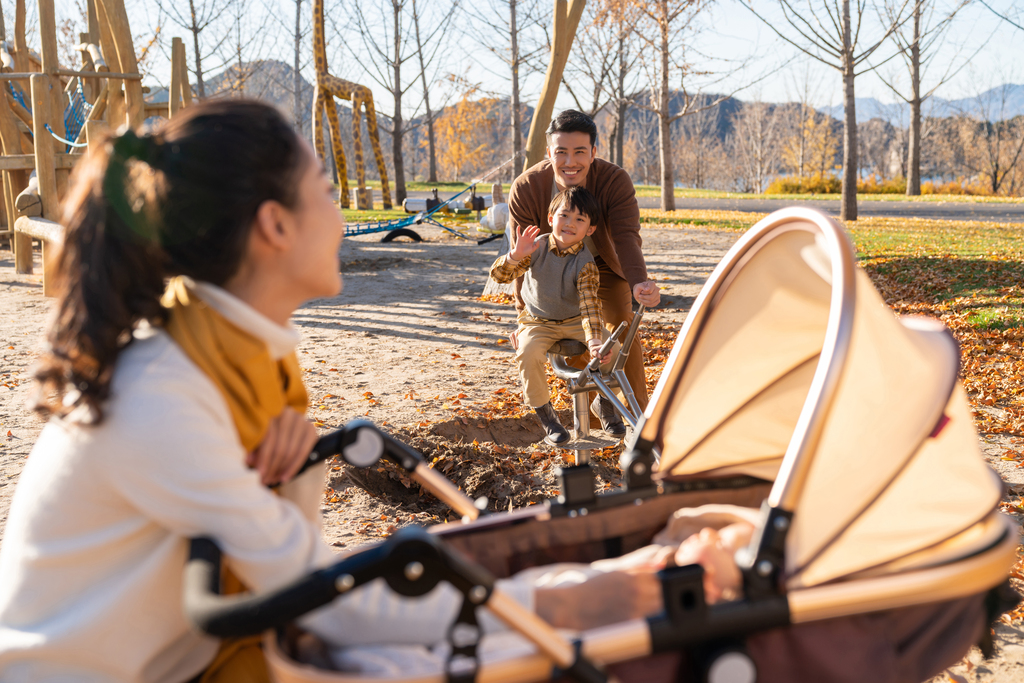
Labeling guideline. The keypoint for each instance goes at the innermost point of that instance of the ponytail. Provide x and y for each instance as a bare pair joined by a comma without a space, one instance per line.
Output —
142,208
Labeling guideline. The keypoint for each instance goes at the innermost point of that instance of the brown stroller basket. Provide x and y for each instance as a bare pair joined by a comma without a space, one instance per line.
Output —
791,386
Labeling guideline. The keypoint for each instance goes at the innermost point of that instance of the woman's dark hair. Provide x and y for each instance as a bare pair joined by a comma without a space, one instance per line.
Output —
578,198
179,201
572,121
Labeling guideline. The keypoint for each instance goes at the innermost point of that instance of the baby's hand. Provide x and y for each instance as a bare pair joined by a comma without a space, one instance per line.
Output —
526,242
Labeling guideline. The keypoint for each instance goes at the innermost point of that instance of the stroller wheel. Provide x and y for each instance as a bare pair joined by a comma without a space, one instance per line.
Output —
731,666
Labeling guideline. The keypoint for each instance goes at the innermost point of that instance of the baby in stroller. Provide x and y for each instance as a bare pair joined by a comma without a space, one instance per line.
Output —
572,596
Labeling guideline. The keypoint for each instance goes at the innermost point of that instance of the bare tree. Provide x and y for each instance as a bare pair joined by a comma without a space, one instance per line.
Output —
829,31
517,19
668,26
920,41
428,46
756,142
1012,16
603,69
700,152
876,138
993,143
302,30
202,19
387,37
244,47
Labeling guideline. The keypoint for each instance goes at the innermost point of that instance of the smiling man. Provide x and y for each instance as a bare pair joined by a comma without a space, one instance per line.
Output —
615,244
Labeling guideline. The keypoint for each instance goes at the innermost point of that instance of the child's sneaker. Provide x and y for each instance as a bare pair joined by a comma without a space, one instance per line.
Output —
556,433
611,423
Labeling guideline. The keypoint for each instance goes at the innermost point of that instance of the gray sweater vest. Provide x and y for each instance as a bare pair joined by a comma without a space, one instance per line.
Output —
550,283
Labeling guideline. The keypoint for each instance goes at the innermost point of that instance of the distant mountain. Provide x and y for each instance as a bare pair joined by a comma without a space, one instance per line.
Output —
996,104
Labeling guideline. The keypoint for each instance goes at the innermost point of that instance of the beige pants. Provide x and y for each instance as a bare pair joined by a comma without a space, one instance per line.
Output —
535,338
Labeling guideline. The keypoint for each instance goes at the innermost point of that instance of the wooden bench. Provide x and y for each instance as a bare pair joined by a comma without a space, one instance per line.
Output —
49,233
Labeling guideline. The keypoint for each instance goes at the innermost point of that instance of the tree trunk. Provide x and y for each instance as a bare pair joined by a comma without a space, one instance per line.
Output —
297,77
848,204
398,125
668,196
200,86
517,114
620,134
914,141
431,140
620,104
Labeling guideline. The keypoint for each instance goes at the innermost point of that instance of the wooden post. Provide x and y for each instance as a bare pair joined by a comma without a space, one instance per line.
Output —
121,33
93,23
14,182
174,94
48,38
567,19
186,88
115,110
95,131
46,165
20,44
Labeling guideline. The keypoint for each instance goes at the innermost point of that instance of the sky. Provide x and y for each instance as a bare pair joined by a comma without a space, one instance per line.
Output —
743,55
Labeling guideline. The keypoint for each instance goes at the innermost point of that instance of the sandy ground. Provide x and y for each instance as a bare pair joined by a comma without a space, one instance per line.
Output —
410,345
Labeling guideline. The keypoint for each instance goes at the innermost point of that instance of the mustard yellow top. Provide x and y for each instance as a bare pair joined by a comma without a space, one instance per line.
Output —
255,385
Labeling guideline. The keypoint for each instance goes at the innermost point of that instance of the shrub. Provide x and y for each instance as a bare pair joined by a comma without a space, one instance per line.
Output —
959,186
875,185
815,184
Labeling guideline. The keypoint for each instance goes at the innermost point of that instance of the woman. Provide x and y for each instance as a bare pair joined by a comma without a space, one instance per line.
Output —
175,403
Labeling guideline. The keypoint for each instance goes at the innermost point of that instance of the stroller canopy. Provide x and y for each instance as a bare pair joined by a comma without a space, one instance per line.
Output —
790,367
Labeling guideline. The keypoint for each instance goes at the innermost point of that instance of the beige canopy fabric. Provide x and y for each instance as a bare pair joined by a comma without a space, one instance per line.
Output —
895,476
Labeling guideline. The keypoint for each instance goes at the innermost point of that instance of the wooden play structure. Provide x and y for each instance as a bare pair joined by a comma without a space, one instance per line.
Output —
566,20
326,89
48,113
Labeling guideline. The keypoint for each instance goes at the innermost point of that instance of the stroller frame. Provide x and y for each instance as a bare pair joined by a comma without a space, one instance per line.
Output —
414,561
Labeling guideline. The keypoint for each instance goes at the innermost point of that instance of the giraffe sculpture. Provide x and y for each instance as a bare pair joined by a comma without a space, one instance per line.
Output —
326,89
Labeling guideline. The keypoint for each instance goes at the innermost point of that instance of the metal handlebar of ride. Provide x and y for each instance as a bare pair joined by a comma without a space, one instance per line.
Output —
591,377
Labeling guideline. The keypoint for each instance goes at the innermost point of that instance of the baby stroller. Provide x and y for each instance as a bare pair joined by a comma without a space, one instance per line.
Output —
791,386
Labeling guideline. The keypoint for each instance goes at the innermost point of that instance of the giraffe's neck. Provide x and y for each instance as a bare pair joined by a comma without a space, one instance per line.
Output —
319,42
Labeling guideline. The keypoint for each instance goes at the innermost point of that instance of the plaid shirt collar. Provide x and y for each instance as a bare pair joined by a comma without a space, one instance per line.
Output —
553,246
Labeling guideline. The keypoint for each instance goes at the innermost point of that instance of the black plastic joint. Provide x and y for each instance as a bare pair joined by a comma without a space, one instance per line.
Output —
637,468
582,669
762,570
576,483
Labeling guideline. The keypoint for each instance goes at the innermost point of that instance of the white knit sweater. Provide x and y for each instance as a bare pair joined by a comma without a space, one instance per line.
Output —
92,556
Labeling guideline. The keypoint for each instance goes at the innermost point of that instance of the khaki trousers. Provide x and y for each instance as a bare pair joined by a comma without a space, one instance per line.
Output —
535,338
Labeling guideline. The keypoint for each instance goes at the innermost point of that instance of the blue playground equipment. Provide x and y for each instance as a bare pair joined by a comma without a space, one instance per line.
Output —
401,227
75,114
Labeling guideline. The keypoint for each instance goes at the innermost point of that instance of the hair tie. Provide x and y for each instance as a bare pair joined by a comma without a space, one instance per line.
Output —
130,207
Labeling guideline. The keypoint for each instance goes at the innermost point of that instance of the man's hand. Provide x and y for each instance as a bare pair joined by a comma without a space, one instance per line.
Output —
595,345
513,339
526,242
284,449
647,293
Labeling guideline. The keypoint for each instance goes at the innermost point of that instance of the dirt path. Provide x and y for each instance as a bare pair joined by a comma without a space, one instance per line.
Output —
409,345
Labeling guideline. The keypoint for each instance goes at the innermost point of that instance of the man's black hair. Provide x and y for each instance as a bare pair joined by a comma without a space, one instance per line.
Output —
572,121
579,198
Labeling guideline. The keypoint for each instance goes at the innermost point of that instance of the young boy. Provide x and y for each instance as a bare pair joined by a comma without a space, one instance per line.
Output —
560,283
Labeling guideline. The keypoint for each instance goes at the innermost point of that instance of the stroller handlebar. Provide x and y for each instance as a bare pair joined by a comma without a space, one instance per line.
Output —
411,561
361,443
